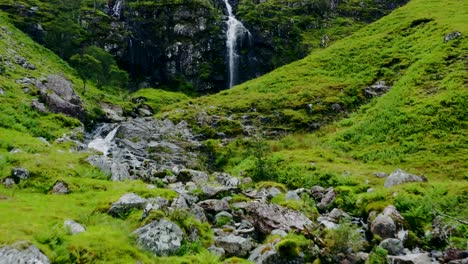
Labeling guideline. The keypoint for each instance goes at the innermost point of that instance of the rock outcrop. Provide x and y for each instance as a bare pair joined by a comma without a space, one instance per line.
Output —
162,237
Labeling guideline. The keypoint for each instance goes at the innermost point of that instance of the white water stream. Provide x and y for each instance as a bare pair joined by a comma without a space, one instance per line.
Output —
235,30
103,145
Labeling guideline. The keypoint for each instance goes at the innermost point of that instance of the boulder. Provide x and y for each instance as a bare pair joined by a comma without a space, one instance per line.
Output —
273,192
393,246
317,192
19,173
235,245
226,179
40,107
198,177
60,187
383,226
126,203
213,205
22,252
162,237
418,258
198,213
59,96
267,254
452,35
327,199
113,112
218,251
74,227
213,191
399,177
179,203
381,174
223,217
377,89
8,182
158,203
268,217
292,196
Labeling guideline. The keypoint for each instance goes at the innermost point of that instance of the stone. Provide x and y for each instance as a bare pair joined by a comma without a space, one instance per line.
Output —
268,217
393,246
19,173
377,89
22,252
235,245
213,191
59,96
179,203
292,196
222,217
8,182
158,203
198,177
74,227
162,237
317,192
381,174
279,232
127,203
452,35
273,192
40,107
226,179
383,226
24,63
60,187
113,112
198,213
327,199
399,177
419,258
218,251
213,205
267,254
2,92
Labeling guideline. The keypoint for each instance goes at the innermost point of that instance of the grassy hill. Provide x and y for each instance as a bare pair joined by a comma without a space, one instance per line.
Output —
337,137
419,125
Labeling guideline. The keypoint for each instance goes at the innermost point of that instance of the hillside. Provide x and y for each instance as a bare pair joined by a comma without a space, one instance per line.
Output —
291,166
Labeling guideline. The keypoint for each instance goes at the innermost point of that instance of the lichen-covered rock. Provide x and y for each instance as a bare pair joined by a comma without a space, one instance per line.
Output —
35,104
198,177
126,203
327,199
22,252
8,182
162,237
399,177
268,217
235,245
213,205
74,227
226,179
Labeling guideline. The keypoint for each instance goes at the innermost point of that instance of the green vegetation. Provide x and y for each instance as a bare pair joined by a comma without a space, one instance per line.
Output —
157,99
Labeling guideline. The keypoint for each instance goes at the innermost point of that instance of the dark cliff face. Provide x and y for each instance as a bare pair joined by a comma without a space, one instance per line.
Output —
174,45
181,44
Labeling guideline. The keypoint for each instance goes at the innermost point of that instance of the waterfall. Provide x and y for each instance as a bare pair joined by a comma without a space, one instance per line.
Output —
235,30
103,145
117,9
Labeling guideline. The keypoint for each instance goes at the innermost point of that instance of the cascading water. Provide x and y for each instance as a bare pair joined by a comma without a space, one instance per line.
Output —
103,145
235,30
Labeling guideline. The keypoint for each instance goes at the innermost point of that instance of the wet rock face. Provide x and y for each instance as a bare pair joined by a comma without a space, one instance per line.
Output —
22,252
163,237
184,45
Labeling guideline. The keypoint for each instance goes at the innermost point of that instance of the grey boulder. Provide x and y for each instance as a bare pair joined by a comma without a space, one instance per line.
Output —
268,217
60,97
22,253
235,245
399,177
73,227
126,203
393,246
383,226
19,173
162,237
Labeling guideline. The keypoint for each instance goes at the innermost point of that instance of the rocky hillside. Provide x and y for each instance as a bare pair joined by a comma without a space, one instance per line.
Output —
181,45
355,154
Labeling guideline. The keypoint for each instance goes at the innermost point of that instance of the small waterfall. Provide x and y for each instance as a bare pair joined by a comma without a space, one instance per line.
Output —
103,145
117,8
235,30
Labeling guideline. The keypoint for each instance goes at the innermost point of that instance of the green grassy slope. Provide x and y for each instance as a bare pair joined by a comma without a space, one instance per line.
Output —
420,125
29,211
